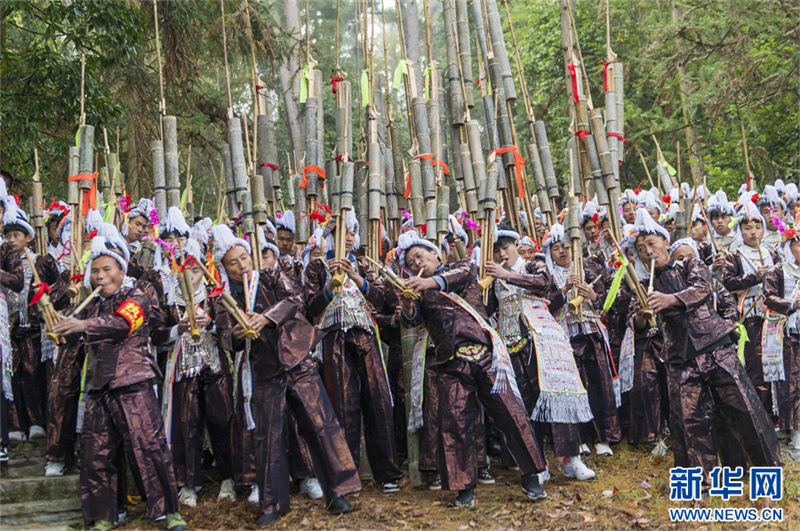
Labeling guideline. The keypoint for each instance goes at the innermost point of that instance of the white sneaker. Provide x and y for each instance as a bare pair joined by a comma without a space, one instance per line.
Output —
187,496
575,468
544,476
227,490
37,432
253,498
660,450
311,487
603,449
584,450
53,469
16,436
795,442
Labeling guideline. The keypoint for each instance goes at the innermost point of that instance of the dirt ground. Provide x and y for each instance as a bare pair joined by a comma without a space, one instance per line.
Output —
631,491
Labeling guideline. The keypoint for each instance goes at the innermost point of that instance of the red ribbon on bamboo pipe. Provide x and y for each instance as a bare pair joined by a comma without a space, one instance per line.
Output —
616,135
269,165
41,289
334,81
90,198
519,163
582,135
313,169
605,72
407,192
574,77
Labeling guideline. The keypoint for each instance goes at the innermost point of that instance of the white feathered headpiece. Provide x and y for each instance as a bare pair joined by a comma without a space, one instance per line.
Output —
175,222
410,239
107,242
16,216
286,222
351,222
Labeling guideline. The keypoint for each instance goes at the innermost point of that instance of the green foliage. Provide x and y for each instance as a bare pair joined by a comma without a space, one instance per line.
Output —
741,57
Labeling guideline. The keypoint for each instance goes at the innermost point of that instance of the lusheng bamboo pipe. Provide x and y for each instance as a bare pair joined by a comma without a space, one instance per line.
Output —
578,301
87,300
229,303
392,278
51,318
187,289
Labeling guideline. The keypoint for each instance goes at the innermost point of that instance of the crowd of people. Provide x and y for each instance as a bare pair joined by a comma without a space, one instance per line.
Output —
184,347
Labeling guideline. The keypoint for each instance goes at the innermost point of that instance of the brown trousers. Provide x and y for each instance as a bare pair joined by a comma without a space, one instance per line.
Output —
462,385
129,415
301,390
716,383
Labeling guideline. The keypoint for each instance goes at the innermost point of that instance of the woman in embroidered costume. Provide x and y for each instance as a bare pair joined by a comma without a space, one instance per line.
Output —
540,351
197,387
277,373
353,368
743,274
781,337
473,365
588,338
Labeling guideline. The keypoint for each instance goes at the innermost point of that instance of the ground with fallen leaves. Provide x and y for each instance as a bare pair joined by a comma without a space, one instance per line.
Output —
630,491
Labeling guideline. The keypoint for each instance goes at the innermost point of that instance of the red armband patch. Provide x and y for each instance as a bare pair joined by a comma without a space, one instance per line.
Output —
131,312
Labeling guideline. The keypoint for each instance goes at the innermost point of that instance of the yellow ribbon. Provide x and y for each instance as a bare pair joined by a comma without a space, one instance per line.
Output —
306,78
743,338
402,69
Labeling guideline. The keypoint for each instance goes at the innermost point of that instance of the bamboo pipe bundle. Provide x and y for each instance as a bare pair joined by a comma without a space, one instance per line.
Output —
573,225
392,278
37,210
480,30
576,182
73,198
611,128
415,198
375,188
399,166
532,151
606,161
321,191
335,192
591,152
664,178
454,77
443,210
300,212
381,138
470,191
362,198
547,160
478,161
103,182
51,318
421,124
173,181
159,179
230,184
499,50
464,50
619,91
502,120
444,127
85,167
263,194
313,107
229,303
187,290
390,190
272,157
238,161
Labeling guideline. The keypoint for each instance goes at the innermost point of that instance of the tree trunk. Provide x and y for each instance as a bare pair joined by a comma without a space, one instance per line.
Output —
686,89
413,38
288,72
